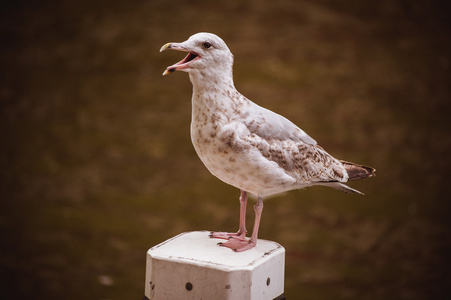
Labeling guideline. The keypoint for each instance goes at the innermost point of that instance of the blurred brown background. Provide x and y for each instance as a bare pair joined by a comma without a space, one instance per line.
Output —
97,164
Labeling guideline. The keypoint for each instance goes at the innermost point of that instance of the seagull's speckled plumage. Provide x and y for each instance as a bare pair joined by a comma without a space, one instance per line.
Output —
246,145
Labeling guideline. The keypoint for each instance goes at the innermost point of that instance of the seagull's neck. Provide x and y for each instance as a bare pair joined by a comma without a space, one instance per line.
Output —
212,82
211,86
215,94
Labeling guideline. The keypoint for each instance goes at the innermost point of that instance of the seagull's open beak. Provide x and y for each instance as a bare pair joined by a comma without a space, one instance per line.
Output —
183,64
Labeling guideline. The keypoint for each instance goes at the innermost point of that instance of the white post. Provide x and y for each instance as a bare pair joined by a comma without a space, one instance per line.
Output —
192,266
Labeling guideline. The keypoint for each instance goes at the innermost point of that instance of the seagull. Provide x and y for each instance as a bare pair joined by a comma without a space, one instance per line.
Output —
245,145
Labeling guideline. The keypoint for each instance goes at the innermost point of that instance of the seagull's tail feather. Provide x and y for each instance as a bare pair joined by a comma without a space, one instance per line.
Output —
356,171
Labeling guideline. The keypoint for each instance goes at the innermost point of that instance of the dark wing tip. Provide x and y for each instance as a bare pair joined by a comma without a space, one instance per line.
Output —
356,172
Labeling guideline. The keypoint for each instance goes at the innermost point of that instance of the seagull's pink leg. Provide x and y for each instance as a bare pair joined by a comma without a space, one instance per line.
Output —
241,234
239,245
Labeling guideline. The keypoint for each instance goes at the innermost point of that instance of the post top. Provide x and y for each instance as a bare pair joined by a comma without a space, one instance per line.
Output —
199,249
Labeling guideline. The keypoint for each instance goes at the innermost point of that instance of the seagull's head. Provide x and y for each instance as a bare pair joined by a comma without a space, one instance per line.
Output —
207,55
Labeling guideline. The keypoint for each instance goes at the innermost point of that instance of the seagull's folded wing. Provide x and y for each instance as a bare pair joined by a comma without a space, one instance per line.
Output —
269,125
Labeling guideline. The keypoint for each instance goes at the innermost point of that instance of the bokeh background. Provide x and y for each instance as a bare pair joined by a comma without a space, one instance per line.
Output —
97,164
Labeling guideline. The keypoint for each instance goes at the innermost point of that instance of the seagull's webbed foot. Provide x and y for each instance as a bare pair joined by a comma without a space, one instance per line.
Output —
238,244
228,235
241,234
237,241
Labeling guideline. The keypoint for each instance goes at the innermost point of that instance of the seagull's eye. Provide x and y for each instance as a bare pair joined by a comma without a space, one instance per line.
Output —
206,45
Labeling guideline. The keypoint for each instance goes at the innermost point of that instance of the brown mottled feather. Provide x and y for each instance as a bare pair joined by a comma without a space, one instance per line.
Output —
356,171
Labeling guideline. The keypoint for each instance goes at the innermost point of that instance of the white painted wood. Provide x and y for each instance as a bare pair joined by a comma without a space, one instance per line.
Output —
192,266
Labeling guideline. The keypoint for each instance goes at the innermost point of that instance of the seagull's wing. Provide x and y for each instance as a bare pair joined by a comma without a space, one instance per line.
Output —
271,126
279,140
306,163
